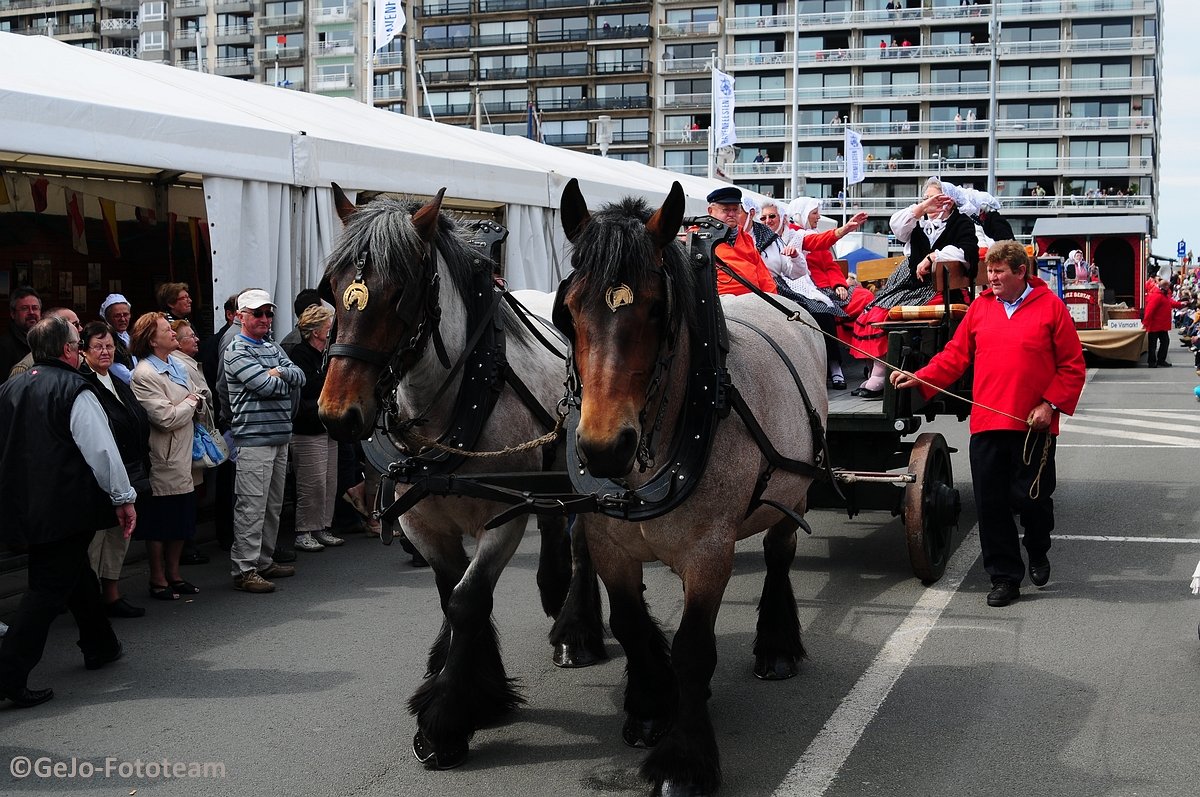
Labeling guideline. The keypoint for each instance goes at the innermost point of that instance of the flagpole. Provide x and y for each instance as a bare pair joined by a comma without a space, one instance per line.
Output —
712,120
369,93
795,186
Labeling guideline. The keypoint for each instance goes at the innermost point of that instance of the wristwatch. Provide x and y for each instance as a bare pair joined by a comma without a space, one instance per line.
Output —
1052,405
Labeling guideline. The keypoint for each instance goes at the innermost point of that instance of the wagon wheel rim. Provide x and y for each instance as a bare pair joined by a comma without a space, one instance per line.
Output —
931,507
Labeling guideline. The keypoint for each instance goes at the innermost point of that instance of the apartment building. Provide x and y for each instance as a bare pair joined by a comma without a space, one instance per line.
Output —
1053,104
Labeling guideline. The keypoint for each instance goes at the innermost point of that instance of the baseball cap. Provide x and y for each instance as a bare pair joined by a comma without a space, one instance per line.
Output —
254,299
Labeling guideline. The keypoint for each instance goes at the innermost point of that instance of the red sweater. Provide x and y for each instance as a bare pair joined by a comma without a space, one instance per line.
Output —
1157,316
743,257
824,270
1019,361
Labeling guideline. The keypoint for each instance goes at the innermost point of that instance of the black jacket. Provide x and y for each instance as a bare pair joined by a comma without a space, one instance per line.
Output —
47,490
128,420
960,232
13,348
309,360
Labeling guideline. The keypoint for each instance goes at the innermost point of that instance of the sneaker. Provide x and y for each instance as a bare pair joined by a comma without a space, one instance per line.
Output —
307,542
252,582
275,570
326,537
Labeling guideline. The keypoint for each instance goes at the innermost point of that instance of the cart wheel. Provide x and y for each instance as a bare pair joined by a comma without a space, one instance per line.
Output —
931,507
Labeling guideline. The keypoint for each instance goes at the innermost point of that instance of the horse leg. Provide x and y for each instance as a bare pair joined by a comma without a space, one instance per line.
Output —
471,689
578,632
554,563
650,684
777,645
686,761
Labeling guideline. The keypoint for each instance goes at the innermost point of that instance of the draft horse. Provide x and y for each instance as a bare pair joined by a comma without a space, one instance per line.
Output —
427,342
633,308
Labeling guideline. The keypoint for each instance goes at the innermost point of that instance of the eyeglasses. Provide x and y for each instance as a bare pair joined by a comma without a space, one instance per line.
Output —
75,343
261,313
770,215
119,315
102,349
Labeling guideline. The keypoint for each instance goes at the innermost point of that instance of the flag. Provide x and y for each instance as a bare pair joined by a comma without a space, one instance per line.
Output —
4,197
108,211
75,217
854,158
38,188
722,88
146,216
389,20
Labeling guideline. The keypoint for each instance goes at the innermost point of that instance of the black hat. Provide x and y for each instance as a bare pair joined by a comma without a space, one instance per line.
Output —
725,195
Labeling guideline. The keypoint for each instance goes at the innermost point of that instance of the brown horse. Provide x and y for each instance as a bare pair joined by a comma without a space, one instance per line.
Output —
631,307
424,341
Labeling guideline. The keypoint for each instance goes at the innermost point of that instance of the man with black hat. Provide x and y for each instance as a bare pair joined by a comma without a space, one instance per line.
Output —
725,205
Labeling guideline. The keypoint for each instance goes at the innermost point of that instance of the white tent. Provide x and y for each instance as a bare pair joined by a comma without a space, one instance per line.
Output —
267,157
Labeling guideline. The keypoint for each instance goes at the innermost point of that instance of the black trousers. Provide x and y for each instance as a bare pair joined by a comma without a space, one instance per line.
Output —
59,575
1157,353
1002,487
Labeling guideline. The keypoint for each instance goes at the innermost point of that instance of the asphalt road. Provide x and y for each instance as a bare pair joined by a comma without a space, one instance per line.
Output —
1086,687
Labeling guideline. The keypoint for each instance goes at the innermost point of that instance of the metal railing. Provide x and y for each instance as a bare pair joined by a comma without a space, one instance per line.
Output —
689,100
114,25
332,14
1058,126
280,21
1055,165
331,48
673,137
677,30
680,65
334,82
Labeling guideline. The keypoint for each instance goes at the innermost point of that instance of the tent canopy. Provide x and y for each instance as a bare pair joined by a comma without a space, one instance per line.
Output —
266,157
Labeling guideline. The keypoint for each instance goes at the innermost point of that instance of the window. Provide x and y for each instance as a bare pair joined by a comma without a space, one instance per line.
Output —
631,59
287,76
631,130
755,10
1030,33
1099,154
284,8
1020,155
503,67
634,157
559,64
514,32
449,102
154,12
560,98
1028,110
1024,77
752,46
686,15
562,29
1110,29
442,32
758,87
153,40
440,69
683,158
505,100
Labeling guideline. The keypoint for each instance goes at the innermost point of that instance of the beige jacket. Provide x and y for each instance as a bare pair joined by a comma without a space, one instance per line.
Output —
170,427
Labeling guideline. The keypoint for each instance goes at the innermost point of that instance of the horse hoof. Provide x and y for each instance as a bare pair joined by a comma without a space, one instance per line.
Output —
777,669
571,657
669,788
432,758
644,733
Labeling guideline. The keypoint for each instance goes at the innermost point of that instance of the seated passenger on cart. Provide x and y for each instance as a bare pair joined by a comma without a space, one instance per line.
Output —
932,226
841,302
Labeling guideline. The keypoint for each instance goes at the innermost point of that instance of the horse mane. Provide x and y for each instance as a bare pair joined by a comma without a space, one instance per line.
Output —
615,247
383,228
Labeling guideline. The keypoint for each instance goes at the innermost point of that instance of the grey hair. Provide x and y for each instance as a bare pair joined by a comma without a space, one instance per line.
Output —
48,336
935,182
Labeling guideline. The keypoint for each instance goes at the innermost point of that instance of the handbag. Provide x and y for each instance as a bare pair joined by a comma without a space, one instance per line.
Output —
208,449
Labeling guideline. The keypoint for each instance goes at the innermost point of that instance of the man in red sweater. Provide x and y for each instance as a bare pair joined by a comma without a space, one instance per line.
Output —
1157,321
1028,364
725,205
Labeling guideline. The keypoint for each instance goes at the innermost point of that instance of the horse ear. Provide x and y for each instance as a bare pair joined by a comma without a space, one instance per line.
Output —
574,211
325,290
425,219
664,224
345,208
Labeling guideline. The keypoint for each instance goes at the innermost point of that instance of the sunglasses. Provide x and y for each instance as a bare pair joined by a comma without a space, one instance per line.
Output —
261,313
770,215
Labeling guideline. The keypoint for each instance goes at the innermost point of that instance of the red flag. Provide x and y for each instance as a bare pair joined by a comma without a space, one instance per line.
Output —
194,234
75,215
108,210
38,187
145,216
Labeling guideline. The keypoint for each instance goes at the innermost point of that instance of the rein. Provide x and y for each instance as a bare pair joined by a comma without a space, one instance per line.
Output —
1027,452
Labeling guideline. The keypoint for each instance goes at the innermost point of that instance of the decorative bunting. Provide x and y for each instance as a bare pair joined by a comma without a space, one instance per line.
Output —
108,210
75,216
146,216
5,198
38,187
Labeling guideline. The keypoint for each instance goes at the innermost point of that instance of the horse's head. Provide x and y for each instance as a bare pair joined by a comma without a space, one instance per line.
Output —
623,308
378,280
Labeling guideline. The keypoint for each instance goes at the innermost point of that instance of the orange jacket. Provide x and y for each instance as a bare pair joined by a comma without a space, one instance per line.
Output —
743,257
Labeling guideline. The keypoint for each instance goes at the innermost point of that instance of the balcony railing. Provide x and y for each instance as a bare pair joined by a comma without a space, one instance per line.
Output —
334,82
272,21
233,30
118,25
389,59
673,137
332,15
504,73
235,62
128,52
277,53
329,48
559,70
1123,45
680,65
678,30
620,67
593,104
1005,8
189,7
446,8
1065,8
694,169
450,76
389,92
689,100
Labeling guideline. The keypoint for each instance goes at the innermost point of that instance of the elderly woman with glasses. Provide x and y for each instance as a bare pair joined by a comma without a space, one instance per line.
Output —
131,430
173,401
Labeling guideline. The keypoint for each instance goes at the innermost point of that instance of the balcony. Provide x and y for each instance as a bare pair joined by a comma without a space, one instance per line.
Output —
445,43
676,101
504,73
450,8
742,60
682,30
1130,45
501,106
451,109
1104,85
676,137
566,139
675,66
128,52
388,92
111,5
234,6
558,70
499,39
337,81
273,54
118,28
332,15
235,66
594,104
234,34
389,59
277,21
1069,8
327,49
186,8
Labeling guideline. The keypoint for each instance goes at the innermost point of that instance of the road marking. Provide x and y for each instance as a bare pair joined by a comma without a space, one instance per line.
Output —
1086,419
1167,440
829,749
1177,447
1102,538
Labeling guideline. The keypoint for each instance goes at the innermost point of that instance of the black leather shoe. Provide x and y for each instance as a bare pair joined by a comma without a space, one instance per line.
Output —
1164,364
283,557
1003,594
123,608
1039,571
193,558
867,393
94,661
27,698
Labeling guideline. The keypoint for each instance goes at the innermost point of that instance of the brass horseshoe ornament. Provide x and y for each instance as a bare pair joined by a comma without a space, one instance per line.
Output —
618,296
356,296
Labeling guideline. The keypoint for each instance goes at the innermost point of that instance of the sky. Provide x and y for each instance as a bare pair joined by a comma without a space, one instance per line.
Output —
1179,164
